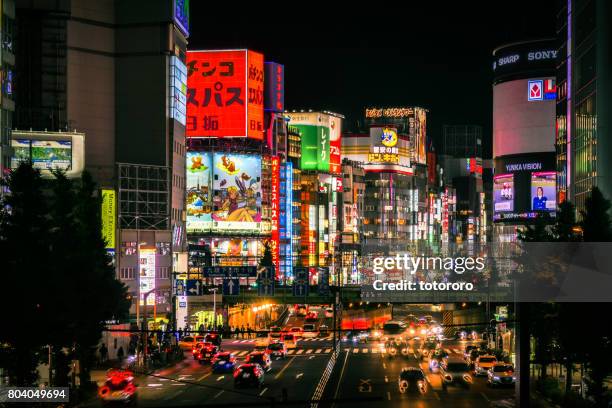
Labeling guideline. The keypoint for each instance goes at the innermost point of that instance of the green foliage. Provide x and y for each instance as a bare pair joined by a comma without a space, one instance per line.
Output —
595,223
59,280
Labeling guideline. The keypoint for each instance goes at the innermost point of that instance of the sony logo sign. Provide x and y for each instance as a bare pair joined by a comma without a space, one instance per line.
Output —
541,55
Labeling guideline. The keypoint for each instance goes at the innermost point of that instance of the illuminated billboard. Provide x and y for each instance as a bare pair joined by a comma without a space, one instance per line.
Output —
225,94
109,217
235,251
524,185
420,135
147,274
503,193
543,191
321,140
44,154
274,98
181,15
199,191
237,192
275,212
178,90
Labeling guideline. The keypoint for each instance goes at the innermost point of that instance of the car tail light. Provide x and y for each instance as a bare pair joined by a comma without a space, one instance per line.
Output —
130,388
237,373
467,378
103,391
448,377
403,386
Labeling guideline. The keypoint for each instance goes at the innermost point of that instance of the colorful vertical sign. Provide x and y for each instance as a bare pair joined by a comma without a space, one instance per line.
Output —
147,274
181,15
109,217
225,94
178,90
275,211
335,145
274,98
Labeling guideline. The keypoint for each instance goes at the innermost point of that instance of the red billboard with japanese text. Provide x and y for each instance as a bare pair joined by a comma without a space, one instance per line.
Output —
225,94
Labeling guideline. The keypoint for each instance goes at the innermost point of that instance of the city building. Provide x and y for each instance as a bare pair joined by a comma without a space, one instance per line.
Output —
79,68
462,168
524,95
7,69
350,217
583,139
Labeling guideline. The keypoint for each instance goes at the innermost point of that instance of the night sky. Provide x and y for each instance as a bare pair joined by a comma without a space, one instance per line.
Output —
436,56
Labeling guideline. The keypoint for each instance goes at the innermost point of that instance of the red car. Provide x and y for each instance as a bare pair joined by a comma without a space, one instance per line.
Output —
311,317
119,388
196,349
248,374
206,353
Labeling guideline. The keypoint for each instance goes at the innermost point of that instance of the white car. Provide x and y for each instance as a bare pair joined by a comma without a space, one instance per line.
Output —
290,341
501,374
309,331
483,364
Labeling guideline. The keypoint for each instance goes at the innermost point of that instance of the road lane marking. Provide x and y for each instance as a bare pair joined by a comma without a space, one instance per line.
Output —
300,351
277,376
386,379
365,350
374,350
340,379
178,384
154,385
219,393
436,395
384,366
242,353
328,350
355,350
484,396
290,351
262,391
204,376
457,351
449,351
388,395
318,351
311,357
309,351
298,376
220,378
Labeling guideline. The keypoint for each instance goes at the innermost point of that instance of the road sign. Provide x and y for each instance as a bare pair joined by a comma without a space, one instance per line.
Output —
179,289
194,287
323,281
231,285
265,281
221,271
300,283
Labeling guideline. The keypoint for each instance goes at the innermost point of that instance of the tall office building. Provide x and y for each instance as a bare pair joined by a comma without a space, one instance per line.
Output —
7,70
584,106
115,71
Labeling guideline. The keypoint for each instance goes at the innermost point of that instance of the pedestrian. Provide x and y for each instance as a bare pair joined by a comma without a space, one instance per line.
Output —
242,331
120,354
201,329
103,353
248,331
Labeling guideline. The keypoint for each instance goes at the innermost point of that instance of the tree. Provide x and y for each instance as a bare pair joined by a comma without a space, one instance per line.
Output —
595,223
24,254
266,259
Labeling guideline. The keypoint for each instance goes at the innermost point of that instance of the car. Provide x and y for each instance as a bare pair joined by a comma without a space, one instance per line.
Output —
468,350
329,312
311,317
437,358
483,364
290,341
275,333
428,318
223,362
188,342
412,379
296,331
355,337
206,353
395,347
214,338
118,388
277,350
262,339
261,358
301,310
455,372
323,331
501,374
248,375
196,349
309,331
427,349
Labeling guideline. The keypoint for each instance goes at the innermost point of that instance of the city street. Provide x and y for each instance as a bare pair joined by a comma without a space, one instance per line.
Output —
363,376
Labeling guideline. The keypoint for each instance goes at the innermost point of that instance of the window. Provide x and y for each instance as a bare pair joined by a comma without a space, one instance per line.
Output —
126,274
163,248
162,272
128,248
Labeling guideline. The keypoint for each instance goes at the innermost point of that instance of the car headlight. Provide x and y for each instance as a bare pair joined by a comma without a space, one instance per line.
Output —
496,378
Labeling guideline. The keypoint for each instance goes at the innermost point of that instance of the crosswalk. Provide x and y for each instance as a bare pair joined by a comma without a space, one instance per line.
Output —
249,341
328,350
